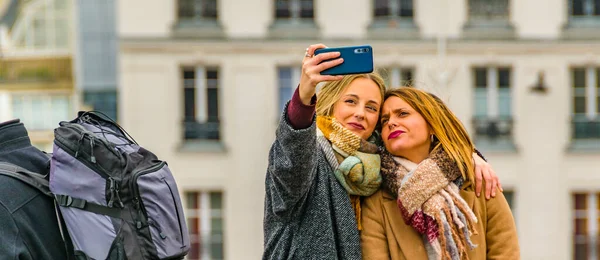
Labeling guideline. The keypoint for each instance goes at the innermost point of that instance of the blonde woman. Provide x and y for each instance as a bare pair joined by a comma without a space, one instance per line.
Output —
320,168
427,208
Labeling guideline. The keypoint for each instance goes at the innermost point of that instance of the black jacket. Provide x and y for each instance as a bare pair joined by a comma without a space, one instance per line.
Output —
28,223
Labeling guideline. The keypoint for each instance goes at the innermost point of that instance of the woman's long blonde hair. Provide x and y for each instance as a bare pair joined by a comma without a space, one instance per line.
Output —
447,128
332,91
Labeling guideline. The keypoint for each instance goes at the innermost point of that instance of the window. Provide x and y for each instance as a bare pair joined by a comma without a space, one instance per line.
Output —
489,19
585,8
205,218
201,103
493,105
393,9
393,19
586,102
43,25
103,101
197,10
294,10
489,10
288,79
41,112
396,77
585,225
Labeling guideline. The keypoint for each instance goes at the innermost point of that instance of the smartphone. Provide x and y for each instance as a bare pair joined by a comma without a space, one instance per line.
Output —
357,60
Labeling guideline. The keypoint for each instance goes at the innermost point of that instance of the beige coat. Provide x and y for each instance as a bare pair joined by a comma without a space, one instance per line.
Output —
386,236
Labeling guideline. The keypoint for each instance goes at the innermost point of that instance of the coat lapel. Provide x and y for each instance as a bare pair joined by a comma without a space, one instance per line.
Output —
409,240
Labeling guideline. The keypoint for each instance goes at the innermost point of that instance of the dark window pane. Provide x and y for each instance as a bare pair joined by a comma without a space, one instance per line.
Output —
282,9
579,105
209,9
285,94
192,200
581,251
581,226
407,77
579,78
306,9
406,8
488,9
185,9
195,250
194,225
480,77
216,250
216,200
598,81
580,201
381,8
213,105
189,74
577,7
509,195
216,226
212,74
598,103
285,86
189,104
597,7
503,78
103,101
189,95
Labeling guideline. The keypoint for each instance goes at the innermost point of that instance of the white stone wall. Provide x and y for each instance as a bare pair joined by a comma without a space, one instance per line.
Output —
542,172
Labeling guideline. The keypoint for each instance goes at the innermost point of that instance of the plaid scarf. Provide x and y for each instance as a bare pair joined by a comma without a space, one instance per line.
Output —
428,198
356,162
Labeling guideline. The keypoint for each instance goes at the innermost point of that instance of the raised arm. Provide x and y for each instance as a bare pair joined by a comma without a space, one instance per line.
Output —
293,155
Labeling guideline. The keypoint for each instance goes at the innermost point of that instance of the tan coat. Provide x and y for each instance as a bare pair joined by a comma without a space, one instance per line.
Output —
386,236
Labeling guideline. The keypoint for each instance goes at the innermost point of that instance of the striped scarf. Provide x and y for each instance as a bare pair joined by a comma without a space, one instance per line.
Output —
428,198
356,162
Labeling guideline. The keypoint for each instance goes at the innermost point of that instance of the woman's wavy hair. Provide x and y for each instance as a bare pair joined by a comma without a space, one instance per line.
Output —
449,132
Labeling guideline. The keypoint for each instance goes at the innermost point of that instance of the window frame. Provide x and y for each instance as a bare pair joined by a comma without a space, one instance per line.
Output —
203,213
201,101
591,215
295,11
494,116
295,72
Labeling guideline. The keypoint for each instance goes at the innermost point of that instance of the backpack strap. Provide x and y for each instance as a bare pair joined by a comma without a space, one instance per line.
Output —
68,201
34,180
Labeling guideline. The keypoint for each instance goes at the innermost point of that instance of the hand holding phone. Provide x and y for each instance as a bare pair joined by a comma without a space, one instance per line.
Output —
357,60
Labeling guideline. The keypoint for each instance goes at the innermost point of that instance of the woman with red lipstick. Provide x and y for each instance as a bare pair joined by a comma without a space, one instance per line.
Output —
427,208
320,168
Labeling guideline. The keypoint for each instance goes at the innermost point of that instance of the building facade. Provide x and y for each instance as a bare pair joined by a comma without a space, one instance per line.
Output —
36,66
203,83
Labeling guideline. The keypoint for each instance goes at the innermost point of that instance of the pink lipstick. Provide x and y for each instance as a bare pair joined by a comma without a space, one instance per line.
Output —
395,134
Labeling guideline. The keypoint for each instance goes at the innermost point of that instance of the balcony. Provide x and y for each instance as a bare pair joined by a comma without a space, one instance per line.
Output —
494,133
201,131
585,135
585,128
42,73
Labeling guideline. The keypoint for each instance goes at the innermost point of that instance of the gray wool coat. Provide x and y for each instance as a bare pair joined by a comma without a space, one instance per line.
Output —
308,214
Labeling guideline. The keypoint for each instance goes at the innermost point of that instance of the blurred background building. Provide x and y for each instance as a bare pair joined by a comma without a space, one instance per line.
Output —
202,83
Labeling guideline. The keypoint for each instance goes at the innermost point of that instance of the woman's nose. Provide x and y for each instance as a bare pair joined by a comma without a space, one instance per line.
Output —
359,113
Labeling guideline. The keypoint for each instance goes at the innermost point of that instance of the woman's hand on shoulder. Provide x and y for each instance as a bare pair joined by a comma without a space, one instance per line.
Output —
312,65
484,171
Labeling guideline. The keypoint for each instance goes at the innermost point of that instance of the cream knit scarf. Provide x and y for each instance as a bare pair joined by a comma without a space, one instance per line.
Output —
428,198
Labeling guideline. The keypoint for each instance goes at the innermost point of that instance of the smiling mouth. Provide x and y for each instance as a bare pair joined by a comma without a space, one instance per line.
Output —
395,134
